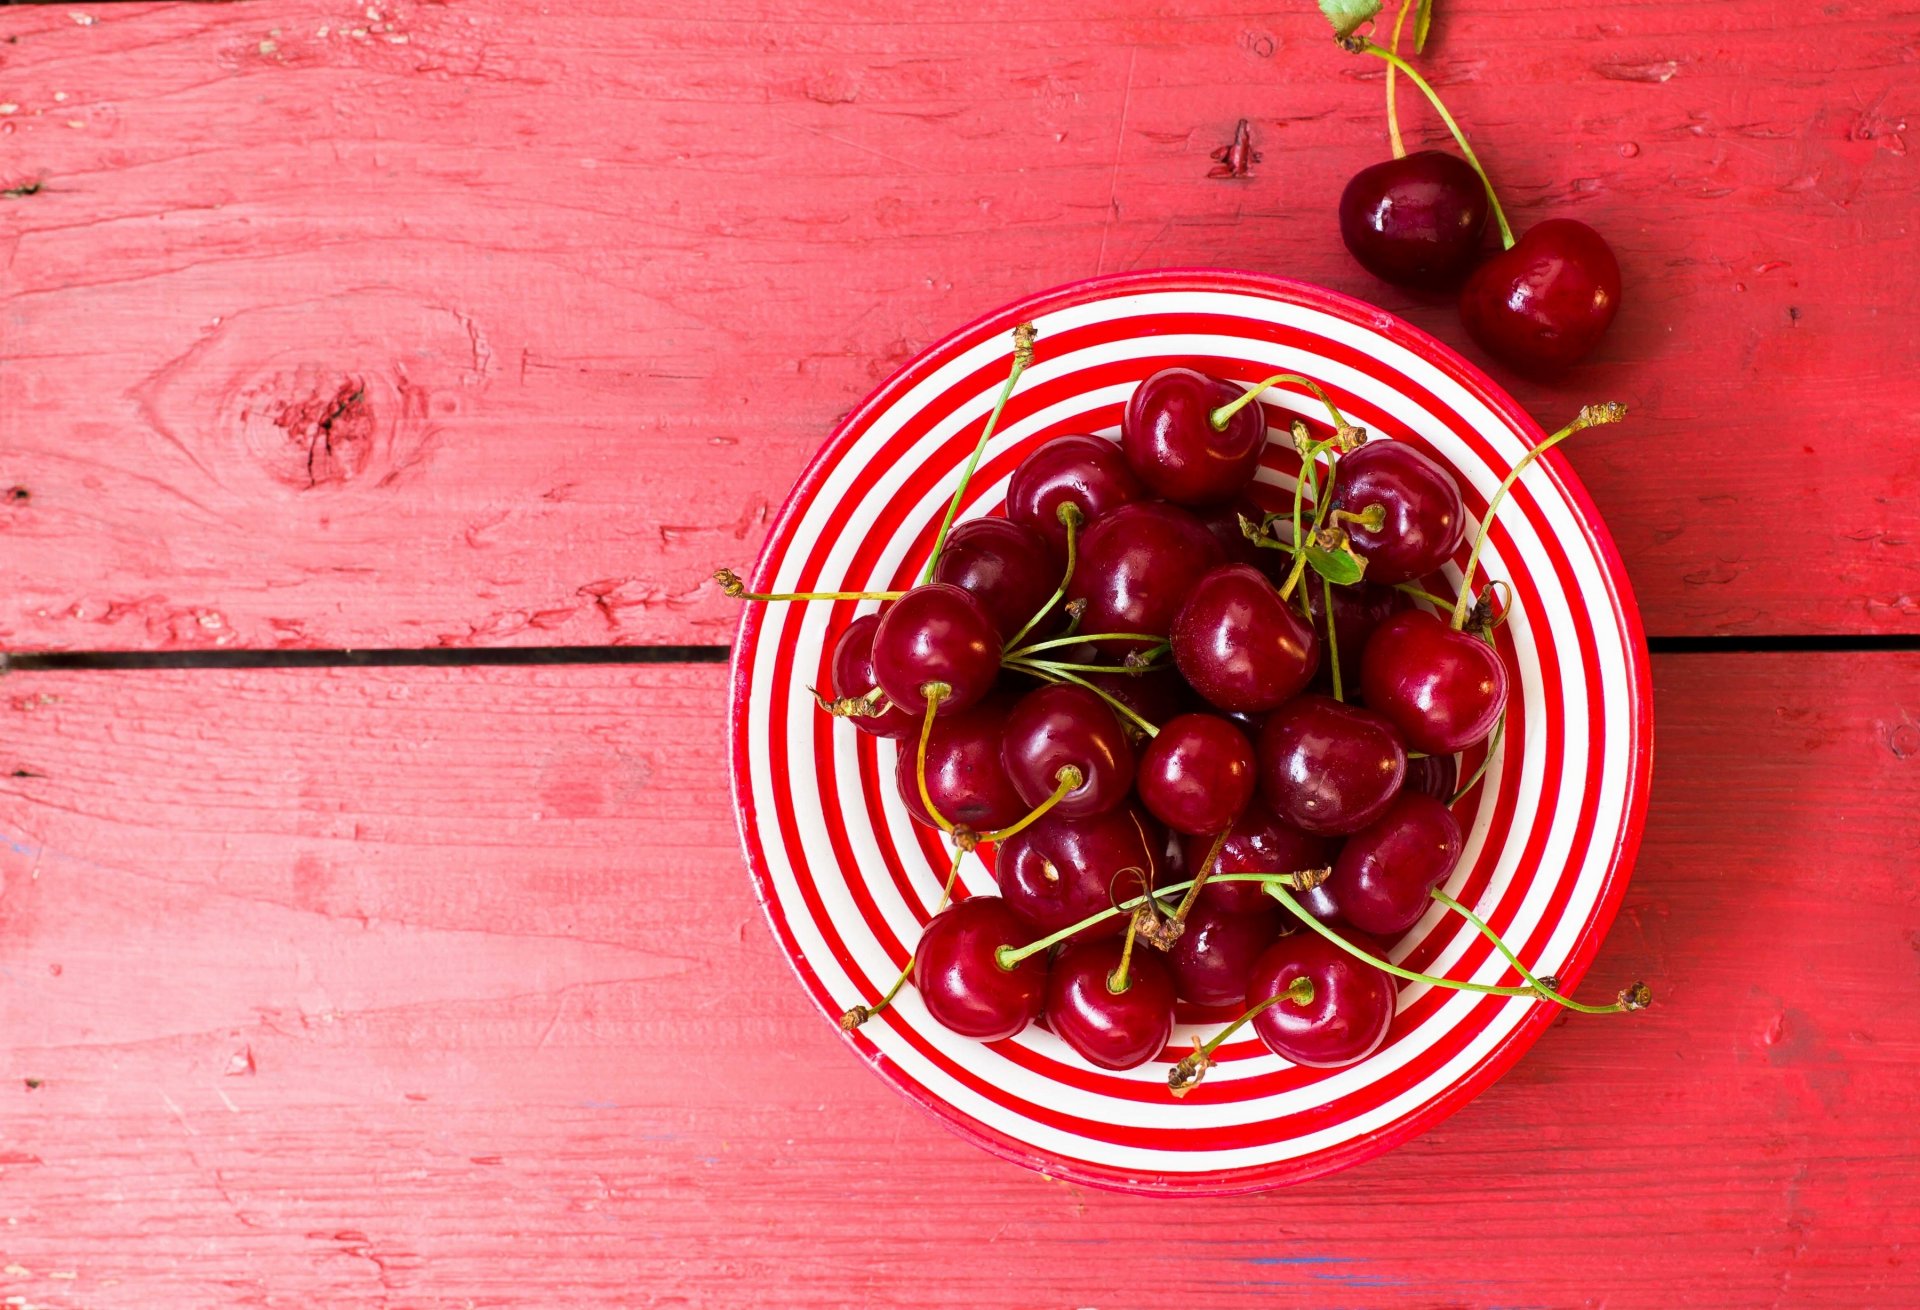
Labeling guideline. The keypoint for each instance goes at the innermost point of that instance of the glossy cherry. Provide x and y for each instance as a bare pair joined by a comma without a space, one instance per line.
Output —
1357,611
1437,776
1239,645
1170,442
1114,1029
961,982
936,633
1213,959
1442,689
1351,1009
1006,566
1423,520
965,777
1198,774
1057,725
1381,881
1058,871
853,676
1137,566
1089,472
1415,221
1544,304
1259,842
1328,767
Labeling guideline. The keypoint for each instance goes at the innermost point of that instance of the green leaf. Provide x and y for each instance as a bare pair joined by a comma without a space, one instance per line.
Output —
1422,20
1346,15
1341,567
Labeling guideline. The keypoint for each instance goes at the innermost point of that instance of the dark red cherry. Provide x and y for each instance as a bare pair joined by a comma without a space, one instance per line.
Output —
1544,304
965,777
1259,842
1415,221
1090,472
1442,689
1214,957
1058,725
1137,566
1357,611
1198,774
1327,767
936,633
853,676
1059,871
1437,776
1424,520
1382,879
1239,645
1006,566
962,983
1351,1009
1223,521
1170,442
1112,1029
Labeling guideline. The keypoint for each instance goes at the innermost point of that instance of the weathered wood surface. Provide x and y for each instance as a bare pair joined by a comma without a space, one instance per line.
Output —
443,987
333,325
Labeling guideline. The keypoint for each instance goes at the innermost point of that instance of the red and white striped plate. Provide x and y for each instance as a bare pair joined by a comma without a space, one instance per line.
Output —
847,879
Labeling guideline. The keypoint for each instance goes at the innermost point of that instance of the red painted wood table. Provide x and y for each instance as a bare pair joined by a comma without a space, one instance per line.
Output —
465,329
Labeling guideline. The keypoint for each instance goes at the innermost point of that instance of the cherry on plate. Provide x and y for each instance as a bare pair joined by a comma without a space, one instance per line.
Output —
1348,1010
853,676
1421,518
1328,767
962,983
1382,880
1197,775
1061,725
1136,568
1259,842
936,634
1213,959
1357,611
1239,645
1006,566
1112,1027
1443,689
1172,444
965,777
1433,775
1089,473
1059,871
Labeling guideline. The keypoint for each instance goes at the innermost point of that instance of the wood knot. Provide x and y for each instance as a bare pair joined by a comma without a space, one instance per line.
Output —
329,434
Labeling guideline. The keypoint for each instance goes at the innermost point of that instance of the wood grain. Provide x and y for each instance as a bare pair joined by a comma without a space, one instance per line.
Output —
497,323
443,987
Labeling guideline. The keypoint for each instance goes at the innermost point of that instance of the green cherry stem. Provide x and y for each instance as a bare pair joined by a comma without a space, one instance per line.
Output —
1066,779
1333,638
1590,416
1079,638
1220,417
1062,673
935,692
1118,981
1493,747
1360,45
1393,89
1201,877
1023,338
1550,993
731,585
1186,1075
1070,515
859,1014
1418,592
1009,956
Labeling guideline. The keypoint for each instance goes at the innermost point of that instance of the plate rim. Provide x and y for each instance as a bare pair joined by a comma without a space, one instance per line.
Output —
1505,1053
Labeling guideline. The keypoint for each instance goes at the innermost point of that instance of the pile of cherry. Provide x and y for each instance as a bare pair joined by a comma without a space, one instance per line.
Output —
1212,748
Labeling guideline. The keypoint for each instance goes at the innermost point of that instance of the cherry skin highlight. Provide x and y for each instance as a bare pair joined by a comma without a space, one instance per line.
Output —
1213,960
961,982
1351,1009
1424,520
965,777
1544,305
1442,689
1198,774
1114,1030
936,633
1416,221
1327,767
1088,472
1172,446
1259,842
1382,880
1006,566
1239,645
1060,871
1058,725
853,676
1137,566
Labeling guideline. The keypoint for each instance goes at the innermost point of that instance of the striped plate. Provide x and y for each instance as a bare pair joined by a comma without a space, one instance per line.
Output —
847,879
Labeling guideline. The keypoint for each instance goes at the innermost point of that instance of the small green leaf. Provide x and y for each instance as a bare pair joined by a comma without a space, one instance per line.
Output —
1422,20
1341,567
1346,15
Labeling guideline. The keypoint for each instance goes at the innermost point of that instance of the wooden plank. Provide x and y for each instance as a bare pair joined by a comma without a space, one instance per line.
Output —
484,324
418,986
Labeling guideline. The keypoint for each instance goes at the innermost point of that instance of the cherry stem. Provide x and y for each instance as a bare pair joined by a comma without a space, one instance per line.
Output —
935,692
1080,638
1186,1075
859,1014
1023,338
1542,988
731,585
1361,45
1008,957
1223,415
1063,673
1393,90
1333,638
1589,416
1117,981
1067,779
1373,518
1418,592
1070,515
1493,746
1206,872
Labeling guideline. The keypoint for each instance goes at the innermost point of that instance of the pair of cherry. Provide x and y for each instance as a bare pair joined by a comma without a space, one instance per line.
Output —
1418,220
